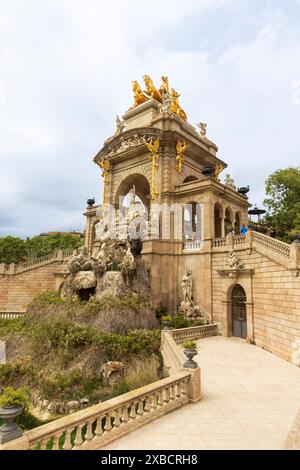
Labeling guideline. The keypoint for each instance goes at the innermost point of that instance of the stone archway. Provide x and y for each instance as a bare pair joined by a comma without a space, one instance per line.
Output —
142,190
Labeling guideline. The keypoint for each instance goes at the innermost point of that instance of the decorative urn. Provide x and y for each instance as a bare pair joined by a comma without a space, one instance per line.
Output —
9,429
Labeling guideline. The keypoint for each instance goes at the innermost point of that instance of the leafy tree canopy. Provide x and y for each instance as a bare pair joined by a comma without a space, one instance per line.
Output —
283,203
12,250
16,250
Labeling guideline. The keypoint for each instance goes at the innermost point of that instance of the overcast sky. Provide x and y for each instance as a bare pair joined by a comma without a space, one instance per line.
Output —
66,68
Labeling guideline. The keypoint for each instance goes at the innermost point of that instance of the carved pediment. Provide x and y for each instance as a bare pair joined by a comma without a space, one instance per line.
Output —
126,141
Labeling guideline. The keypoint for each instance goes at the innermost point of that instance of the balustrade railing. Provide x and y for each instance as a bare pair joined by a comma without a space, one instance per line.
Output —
10,316
192,246
194,332
101,424
273,246
239,239
218,242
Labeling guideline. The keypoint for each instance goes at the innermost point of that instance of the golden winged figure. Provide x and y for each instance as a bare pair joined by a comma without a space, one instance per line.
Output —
104,165
153,146
181,147
218,170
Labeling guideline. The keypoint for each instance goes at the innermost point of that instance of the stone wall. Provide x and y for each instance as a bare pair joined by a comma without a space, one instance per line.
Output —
273,300
22,284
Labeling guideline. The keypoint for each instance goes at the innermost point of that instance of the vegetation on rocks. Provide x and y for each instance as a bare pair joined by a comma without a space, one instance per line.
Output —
57,349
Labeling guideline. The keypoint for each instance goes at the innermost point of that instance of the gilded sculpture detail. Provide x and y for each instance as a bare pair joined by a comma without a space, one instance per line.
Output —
218,171
153,147
104,165
180,149
168,99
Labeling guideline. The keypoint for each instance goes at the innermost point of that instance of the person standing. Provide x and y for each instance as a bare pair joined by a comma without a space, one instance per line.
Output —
243,229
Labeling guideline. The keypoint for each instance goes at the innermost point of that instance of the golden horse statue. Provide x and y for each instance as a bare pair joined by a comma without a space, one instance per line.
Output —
139,96
151,91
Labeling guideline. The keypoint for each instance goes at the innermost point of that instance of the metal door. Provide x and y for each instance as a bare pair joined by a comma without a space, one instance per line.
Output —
239,312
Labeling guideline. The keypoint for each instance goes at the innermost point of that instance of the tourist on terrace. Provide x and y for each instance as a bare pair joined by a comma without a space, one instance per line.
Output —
243,229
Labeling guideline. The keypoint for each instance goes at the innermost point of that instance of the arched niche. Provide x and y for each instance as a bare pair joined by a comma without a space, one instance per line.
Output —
192,221
142,191
228,221
190,178
218,220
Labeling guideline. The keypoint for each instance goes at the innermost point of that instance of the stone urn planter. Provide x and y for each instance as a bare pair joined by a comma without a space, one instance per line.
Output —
10,430
166,321
190,350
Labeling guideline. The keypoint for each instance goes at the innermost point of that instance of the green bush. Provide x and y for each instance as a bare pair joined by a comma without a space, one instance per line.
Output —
65,385
161,311
178,321
189,345
14,397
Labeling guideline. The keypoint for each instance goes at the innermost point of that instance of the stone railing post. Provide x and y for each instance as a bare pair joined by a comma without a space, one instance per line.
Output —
2,268
230,241
60,255
194,385
295,258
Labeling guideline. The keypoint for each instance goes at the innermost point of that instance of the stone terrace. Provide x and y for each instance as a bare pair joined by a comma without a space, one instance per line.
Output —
250,401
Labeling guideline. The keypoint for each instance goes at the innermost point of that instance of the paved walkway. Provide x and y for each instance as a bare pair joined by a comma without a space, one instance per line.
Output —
250,401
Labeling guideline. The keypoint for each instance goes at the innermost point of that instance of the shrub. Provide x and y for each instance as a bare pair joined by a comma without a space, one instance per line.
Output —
161,311
47,298
190,345
11,397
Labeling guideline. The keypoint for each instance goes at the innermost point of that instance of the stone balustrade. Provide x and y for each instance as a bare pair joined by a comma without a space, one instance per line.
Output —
192,246
276,247
10,316
98,425
194,332
12,269
218,242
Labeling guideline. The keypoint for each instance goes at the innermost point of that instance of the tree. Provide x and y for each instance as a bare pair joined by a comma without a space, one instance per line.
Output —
12,250
44,245
283,203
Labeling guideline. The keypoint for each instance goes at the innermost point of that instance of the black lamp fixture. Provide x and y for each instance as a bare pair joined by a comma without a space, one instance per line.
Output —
208,170
90,202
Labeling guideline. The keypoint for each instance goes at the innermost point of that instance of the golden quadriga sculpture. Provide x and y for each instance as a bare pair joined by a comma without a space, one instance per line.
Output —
161,94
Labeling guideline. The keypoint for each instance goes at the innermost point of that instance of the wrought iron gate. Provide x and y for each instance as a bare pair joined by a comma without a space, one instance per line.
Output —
239,312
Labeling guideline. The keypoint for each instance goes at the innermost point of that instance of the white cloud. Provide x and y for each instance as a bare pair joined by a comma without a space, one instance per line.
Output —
66,69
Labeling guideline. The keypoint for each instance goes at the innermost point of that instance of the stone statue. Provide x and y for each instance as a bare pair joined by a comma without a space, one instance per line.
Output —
187,286
202,129
119,126
128,266
166,103
232,260
132,196
187,306
229,182
139,96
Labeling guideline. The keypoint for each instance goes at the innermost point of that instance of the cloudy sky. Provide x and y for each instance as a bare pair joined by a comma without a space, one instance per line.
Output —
66,68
